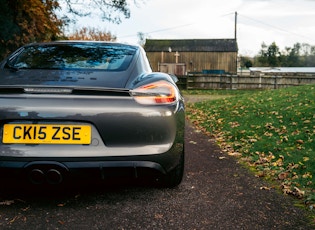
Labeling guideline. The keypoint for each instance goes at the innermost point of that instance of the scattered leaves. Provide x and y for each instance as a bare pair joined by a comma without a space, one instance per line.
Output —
272,131
7,202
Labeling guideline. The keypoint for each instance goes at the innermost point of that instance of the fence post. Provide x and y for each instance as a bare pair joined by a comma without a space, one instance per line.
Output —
233,81
186,82
276,81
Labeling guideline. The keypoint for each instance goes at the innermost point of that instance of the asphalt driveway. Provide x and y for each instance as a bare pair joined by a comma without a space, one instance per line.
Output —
217,193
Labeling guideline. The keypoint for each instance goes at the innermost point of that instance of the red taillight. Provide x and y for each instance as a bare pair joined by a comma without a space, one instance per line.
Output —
160,92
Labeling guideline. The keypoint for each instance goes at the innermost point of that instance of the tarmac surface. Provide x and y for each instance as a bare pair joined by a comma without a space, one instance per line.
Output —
216,193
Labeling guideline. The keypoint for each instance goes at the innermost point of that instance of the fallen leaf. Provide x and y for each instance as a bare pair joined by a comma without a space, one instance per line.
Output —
25,209
306,158
297,192
234,154
307,175
14,219
283,175
7,202
158,216
260,174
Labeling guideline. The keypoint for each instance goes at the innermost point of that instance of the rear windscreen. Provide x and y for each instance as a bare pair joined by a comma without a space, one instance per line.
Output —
110,57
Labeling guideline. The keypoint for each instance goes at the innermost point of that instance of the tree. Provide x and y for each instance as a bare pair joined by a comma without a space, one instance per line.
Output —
7,25
109,10
310,58
25,21
142,38
92,34
293,58
263,55
300,55
307,55
246,62
273,55
269,55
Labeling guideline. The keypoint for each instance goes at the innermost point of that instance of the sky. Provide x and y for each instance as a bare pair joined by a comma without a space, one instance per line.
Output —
284,22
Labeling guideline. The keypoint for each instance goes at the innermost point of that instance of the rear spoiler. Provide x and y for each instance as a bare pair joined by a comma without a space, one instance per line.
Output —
5,89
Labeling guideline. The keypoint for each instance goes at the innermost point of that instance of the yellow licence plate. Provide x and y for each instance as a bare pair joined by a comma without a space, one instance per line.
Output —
46,134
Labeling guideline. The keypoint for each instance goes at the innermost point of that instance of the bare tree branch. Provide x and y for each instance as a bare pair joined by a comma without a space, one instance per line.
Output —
108,10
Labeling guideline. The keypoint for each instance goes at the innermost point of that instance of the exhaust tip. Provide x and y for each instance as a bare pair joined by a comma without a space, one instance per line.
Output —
36,176
53,176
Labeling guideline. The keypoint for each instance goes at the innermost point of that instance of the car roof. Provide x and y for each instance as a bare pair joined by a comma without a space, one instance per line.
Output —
82,42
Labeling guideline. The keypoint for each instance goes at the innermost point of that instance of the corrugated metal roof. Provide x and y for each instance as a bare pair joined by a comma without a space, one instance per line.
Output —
191,45
283,69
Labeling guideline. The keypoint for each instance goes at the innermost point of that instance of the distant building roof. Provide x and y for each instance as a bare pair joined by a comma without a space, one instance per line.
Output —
191,45
283,69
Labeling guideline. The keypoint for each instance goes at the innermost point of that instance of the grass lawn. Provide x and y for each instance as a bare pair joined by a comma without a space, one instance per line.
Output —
272,131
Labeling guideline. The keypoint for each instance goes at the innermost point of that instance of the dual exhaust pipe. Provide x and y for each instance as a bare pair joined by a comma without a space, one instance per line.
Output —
52,176
52,173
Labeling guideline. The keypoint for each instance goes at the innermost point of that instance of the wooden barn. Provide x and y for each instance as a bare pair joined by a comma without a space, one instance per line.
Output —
183,56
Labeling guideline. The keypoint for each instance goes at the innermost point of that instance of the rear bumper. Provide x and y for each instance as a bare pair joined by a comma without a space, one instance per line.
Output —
56,172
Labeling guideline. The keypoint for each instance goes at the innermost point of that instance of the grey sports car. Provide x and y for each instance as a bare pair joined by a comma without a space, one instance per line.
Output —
77,110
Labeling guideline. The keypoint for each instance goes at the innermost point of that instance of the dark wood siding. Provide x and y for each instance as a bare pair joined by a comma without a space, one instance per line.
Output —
198,55
196,61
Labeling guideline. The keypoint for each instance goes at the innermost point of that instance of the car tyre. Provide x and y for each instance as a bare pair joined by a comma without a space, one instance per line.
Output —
175,176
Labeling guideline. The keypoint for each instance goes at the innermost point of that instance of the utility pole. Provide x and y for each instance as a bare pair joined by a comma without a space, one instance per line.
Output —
235,37
235,27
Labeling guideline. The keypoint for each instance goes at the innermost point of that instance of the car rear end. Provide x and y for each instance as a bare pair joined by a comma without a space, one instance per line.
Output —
69,131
